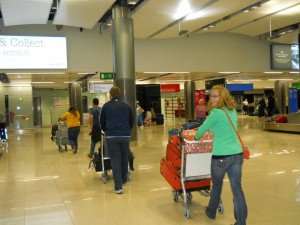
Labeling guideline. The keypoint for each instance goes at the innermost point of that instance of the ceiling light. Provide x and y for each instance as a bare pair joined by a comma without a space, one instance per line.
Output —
166,72
273,72
229,72
281,79
33,82
294,72
240,80
132,2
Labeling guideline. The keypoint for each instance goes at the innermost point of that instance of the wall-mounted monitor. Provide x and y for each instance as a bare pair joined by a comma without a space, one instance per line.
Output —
284,57
33,52
239,87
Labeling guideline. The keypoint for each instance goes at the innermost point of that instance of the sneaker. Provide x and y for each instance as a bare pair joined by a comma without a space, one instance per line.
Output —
90,156
74,149
118,191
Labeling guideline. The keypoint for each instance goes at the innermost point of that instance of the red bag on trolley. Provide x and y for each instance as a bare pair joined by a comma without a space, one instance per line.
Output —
204,145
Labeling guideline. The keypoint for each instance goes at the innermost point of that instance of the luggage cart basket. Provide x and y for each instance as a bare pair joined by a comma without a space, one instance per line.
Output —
61,137
105,159
195,166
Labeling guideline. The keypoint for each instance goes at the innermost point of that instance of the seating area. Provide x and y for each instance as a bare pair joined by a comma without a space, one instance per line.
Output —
292,125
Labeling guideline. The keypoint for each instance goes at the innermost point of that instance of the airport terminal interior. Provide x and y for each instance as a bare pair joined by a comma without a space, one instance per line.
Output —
41,185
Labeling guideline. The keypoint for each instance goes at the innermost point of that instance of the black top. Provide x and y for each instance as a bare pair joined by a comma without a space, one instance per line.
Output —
116,119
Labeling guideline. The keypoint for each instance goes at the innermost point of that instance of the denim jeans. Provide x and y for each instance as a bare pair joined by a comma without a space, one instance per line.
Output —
73,133
232,165
92,148
118,148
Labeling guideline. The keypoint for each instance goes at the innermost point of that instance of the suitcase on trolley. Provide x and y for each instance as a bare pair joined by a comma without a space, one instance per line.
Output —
173,151
171,175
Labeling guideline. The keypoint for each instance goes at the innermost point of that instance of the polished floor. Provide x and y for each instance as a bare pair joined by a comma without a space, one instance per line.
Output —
41,186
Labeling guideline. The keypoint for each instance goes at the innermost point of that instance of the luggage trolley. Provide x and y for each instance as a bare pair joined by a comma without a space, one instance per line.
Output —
195,172
105,159
61,135
3,138
104,164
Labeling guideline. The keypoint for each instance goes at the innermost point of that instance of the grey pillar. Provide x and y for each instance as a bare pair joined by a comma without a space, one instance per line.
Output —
76,98
123,57
189,87
281,95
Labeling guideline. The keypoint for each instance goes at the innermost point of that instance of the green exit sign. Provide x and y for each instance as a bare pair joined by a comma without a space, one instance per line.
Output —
106,76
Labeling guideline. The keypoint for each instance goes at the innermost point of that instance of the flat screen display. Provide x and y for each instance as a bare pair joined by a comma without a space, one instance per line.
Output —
284,57
33,52
239,87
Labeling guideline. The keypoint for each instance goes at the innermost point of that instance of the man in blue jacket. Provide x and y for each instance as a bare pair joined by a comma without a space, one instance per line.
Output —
117,121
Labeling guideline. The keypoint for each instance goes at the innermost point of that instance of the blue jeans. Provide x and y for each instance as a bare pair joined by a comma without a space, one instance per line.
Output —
232,165
140,120
118,149
92,148
73,133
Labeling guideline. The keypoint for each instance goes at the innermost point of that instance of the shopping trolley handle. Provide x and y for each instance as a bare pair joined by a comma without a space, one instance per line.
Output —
196,141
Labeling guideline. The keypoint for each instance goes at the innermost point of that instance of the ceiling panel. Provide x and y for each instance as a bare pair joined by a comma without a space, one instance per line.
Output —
261,22
156,14
81,13
207,15
18,12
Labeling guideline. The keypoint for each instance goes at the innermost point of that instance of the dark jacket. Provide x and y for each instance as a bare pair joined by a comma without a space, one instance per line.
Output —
116,119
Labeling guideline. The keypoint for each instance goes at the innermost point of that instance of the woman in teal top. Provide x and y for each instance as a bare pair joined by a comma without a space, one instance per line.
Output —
226,154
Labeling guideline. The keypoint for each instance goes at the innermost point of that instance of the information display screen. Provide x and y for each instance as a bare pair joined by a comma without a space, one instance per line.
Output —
33,52
284,57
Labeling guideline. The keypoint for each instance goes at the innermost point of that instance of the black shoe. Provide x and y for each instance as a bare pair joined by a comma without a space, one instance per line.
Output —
74,149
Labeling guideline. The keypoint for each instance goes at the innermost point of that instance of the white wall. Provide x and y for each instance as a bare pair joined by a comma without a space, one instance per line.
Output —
91,50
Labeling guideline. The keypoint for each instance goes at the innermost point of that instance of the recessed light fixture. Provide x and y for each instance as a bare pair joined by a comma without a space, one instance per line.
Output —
247,80
273,72
166,72
229,72
287,79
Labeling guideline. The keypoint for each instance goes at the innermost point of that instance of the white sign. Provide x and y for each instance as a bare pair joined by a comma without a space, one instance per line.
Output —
33,52
100,88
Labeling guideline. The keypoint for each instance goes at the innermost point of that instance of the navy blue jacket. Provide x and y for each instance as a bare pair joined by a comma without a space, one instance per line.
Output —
116,119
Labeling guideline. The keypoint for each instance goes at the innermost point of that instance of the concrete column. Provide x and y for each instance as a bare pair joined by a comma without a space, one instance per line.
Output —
189,88
123,56
76,98
281,95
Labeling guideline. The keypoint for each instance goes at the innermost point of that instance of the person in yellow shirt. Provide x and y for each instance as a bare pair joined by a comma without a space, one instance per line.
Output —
72,118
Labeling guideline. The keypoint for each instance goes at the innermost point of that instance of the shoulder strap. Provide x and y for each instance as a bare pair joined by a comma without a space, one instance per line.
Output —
237,134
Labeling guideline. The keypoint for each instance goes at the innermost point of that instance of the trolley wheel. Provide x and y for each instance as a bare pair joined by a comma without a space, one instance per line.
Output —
175,196
221,207
66,148
189,196
187,213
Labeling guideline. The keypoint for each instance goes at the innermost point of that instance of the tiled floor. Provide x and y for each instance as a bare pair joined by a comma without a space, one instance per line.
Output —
41,186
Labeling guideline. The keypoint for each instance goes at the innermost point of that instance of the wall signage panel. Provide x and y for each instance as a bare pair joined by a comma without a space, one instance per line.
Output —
33,52
170,88
100,88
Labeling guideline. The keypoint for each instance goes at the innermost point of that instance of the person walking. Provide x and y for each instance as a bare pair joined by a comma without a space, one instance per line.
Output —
72,118
245,106
226,154
95,127
139,112
116,121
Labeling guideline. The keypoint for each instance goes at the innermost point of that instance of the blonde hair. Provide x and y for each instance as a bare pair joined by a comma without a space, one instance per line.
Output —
226,99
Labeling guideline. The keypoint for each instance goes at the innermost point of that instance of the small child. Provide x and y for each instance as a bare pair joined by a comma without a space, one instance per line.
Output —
147,119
